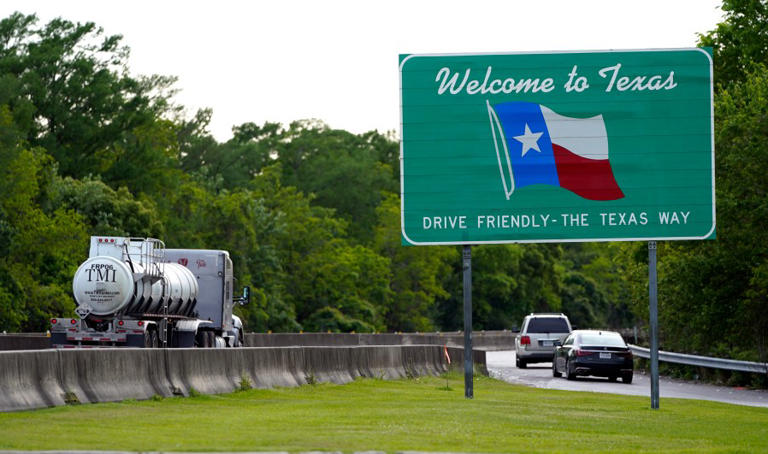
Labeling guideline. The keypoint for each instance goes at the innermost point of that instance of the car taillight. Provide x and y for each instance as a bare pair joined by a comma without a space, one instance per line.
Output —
525,340
73,322
582,353
120,323
140,323
54,321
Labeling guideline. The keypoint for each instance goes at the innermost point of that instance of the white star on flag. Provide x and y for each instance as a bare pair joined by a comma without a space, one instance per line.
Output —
529,140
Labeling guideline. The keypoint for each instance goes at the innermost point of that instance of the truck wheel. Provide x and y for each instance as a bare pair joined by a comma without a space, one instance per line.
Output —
201,339
151,339
147,339
211,339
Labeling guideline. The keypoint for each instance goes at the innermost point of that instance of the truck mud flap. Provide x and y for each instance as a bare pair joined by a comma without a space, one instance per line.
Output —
184,339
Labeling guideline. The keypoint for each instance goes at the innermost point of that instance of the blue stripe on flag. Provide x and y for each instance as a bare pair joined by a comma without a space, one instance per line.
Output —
536,167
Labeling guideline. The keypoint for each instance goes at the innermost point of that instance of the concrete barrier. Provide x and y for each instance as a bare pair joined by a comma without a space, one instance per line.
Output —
481,340
30,379
457,359
110,375
270,367
44,378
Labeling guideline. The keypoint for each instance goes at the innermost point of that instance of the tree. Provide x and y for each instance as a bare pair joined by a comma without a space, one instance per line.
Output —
342,170
343,288
316,267
418,274
594,293
107,212
509,281
232,164
740,41
88,113
39,251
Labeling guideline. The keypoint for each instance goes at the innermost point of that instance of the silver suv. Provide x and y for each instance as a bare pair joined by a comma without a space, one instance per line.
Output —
536,341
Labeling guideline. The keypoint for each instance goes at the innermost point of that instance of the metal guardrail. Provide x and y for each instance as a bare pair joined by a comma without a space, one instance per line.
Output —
702,361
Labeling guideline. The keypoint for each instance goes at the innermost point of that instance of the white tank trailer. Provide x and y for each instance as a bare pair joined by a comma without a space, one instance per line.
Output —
134,292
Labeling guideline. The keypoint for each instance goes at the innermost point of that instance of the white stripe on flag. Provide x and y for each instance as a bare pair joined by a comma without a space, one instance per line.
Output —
585,137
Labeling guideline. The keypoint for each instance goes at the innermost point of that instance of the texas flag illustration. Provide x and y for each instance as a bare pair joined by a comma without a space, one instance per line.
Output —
535,145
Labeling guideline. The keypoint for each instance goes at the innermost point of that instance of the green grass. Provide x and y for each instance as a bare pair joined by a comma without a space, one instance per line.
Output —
416,414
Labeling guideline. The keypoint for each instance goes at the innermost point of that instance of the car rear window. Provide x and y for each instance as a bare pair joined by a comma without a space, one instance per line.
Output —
604,340
547,325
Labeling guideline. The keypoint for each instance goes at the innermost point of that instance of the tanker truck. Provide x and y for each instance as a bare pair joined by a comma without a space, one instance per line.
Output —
134,292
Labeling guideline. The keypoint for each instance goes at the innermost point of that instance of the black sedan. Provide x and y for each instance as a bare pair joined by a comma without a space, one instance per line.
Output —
598,353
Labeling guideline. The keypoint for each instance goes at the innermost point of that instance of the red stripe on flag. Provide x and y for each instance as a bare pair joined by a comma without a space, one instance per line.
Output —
590,178
447,356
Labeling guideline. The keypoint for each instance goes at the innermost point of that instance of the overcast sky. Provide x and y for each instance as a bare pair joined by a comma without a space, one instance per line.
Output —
284,60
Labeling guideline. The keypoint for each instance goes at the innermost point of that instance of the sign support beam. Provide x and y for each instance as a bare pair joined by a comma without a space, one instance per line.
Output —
468,360
653,310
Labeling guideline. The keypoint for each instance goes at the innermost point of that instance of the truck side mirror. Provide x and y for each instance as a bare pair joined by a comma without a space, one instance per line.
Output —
246,298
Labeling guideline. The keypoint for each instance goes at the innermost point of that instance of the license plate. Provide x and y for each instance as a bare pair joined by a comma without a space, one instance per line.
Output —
605,356
547,343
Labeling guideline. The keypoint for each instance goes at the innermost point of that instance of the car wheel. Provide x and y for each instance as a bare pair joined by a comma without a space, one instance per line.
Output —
612,378
555,373
568,374
627,378
522,364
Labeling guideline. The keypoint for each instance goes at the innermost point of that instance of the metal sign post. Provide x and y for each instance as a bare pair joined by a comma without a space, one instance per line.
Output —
653,310
468,362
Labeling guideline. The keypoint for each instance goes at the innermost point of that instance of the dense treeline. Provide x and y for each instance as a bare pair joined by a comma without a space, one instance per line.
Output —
712,294
311,215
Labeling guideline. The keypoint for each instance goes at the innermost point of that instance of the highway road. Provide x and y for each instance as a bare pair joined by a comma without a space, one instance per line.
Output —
501,365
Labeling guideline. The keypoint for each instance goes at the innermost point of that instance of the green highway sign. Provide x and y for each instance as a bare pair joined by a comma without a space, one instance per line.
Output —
558,146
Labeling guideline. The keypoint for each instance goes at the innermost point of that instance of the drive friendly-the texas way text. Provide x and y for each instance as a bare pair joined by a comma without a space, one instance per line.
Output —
527,221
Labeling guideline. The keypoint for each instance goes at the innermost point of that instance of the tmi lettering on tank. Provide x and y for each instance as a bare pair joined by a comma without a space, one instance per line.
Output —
101,273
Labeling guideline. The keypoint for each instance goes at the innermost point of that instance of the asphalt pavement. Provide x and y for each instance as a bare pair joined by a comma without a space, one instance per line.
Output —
501,365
